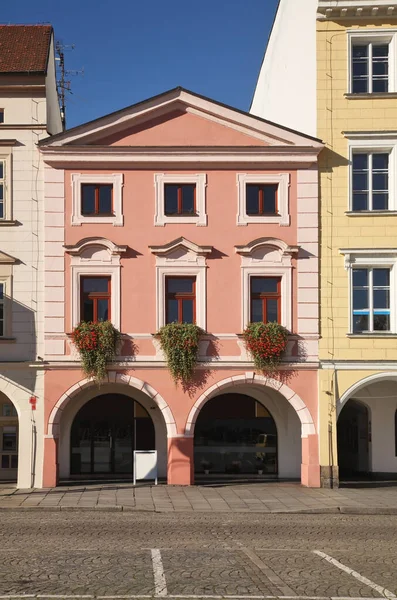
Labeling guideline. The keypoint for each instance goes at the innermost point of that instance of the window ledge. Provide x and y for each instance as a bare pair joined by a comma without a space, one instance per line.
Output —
374,96
371,335
7,340
8,222
371,213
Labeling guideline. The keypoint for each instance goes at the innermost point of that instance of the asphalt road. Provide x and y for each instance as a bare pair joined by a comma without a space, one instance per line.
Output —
97,553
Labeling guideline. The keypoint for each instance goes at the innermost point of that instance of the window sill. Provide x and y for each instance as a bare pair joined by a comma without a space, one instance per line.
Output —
198,220
278,219
115,220
7,340
371,335
371,213
374,96
8,222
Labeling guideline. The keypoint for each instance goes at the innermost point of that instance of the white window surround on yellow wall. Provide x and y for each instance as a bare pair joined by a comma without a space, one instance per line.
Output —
378,142
199,179
283,181
267,257
170,262
6,267
115,179
6,159
96,256
376,36
377,258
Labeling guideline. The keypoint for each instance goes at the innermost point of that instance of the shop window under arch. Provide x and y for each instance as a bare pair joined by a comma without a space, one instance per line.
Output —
235,434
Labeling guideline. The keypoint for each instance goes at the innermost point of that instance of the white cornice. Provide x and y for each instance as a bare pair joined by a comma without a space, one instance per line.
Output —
180,243
68,155
348,9
250,248
78,249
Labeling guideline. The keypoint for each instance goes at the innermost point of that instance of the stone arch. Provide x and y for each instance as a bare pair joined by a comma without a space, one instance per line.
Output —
251,378
116,378
359,385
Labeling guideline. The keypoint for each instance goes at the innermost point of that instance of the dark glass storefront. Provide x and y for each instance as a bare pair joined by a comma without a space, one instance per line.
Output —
235,434
104,434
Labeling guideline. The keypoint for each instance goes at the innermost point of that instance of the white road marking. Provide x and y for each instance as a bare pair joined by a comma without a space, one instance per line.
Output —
381,590
204,596
160,584
267,571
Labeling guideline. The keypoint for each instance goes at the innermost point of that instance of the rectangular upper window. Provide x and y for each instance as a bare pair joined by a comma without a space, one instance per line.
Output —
96,199
179,199
2,188
180,299
2,309
370,67
1,115
370,181
95,298
261,199
265,294
371,299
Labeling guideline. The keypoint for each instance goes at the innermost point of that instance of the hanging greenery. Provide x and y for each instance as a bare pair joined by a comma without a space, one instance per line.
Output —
180,344
266,342
96,344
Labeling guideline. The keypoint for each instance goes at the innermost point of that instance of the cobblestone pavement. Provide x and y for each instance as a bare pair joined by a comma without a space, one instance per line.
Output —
252,497
168,555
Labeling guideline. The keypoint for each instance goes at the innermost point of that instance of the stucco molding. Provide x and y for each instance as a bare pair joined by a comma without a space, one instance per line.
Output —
181,258
199,179
116,180
118,379
95,256
282,180
251,378
267,257
348,9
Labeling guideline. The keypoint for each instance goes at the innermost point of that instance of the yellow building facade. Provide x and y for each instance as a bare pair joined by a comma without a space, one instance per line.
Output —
357,119
330,70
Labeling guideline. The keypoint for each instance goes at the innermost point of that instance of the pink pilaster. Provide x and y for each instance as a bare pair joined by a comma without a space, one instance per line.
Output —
180,461
310,468
50,472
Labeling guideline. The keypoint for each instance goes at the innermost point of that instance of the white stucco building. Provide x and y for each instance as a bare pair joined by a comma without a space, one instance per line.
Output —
29,111
286,88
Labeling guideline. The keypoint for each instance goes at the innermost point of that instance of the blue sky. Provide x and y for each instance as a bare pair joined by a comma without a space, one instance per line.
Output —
134,49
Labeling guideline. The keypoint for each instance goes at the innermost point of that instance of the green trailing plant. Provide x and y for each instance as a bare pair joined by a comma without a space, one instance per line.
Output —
180,344
266,342
97,345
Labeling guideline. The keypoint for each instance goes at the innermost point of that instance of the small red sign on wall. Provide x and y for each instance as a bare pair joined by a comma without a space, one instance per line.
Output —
32,401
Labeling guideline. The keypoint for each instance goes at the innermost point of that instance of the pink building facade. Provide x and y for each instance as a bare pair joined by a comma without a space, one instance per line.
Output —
181,204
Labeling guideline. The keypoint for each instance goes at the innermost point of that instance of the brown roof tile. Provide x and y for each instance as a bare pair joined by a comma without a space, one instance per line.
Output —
24,48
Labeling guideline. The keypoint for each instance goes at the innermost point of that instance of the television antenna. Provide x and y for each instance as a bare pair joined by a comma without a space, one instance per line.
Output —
64,84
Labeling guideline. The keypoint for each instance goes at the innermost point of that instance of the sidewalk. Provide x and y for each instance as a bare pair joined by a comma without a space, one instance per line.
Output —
253,497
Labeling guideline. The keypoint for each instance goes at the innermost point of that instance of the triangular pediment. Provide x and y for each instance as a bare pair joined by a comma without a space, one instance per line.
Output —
179,118
6,259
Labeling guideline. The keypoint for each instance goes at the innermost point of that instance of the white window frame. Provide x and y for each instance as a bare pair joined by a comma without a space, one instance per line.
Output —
280,179
199,272
366,259
374,147
79,271
259,265
6,158
114,179
386,36
95,257
200,180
